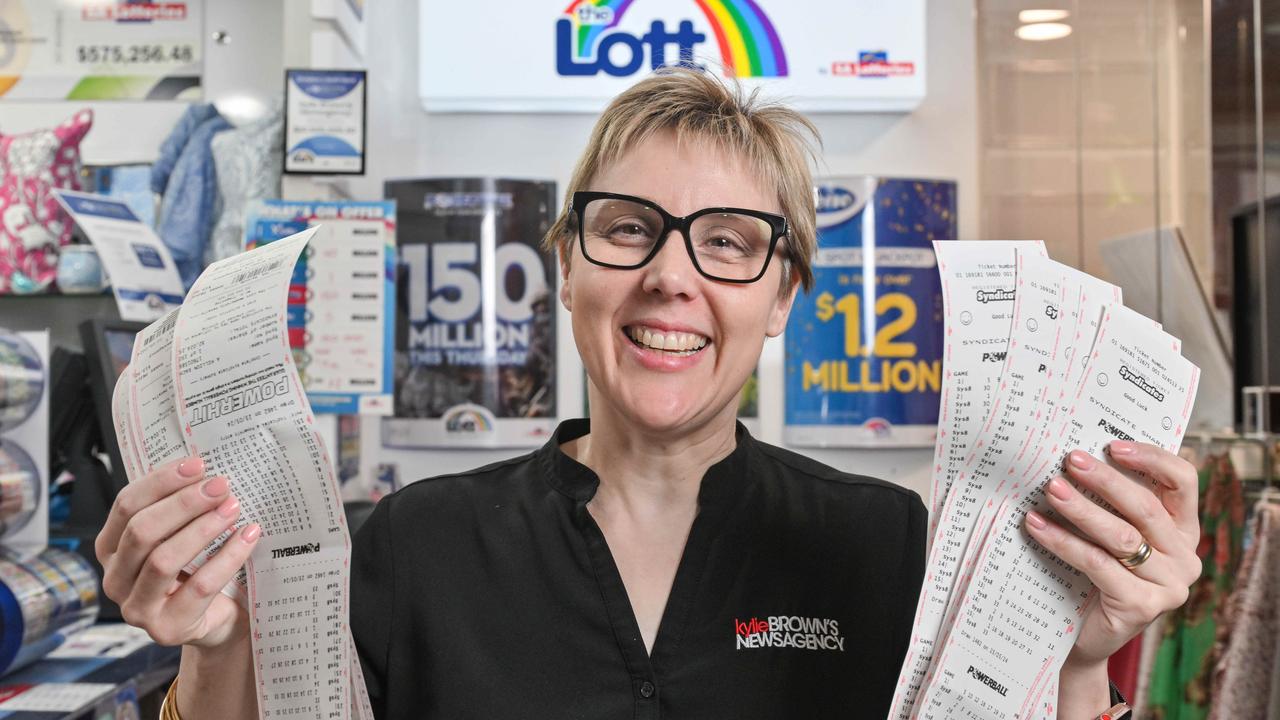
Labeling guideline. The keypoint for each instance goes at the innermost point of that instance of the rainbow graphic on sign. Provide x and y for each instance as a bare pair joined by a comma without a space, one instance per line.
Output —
749,44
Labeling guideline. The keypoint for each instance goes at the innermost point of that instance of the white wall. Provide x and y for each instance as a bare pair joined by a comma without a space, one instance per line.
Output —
938,140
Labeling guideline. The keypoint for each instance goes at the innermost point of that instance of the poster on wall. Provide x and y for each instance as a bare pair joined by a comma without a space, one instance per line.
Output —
324,122
475,336
864,348
341,298
101,50
574,56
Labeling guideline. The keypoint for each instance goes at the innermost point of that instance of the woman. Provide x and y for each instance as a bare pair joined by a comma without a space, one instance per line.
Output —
628,567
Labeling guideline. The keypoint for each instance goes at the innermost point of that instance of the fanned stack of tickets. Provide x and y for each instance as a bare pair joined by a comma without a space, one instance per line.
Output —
216,377
1040,359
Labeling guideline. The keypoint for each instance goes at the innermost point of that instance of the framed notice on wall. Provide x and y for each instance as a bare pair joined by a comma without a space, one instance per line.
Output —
101,50
574,56
324,123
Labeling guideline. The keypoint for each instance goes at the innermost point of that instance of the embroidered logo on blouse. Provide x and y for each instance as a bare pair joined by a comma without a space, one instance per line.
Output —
788,631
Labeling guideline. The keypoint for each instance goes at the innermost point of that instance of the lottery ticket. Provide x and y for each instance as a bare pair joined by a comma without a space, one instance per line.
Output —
979,288
1018,619
1003,433
153,413
217,378
1055,314
977,294
121,419
1052,303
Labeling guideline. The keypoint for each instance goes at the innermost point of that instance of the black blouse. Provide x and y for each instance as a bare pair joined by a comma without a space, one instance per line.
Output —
493,595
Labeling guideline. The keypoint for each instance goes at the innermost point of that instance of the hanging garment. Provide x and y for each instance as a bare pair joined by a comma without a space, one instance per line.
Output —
1123,666
1151,638
1181,676
186,178
248,161
171,148
1242,677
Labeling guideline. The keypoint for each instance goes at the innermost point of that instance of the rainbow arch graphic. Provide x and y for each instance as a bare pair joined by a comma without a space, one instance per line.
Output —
467,418
749,44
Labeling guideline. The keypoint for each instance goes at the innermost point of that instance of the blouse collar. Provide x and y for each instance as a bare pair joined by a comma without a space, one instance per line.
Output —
580,482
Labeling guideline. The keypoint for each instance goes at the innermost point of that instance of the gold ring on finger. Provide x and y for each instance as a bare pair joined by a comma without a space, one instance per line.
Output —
1138,557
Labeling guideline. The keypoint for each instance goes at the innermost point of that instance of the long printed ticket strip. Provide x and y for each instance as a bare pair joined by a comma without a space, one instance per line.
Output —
997,613
977,280
217,378
978,288
1051,303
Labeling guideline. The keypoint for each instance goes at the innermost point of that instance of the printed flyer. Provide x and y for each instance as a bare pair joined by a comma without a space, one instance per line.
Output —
324,125
341,298
143,275
95,50
864,349
475,326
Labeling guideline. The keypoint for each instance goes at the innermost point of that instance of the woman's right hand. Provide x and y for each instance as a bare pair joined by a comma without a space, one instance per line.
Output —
157,526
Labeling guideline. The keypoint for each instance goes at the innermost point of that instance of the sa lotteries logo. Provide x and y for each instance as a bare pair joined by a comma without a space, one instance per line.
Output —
134,11
587,36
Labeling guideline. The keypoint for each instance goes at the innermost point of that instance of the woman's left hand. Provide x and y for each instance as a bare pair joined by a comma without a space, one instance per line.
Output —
1162,513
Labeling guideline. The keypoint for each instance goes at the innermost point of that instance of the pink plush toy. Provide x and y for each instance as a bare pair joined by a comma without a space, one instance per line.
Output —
32,224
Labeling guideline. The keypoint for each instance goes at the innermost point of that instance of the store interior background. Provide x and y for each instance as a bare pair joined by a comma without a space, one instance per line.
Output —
1100,134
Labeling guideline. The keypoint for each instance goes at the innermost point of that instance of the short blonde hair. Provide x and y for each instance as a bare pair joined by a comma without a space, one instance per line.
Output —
774,139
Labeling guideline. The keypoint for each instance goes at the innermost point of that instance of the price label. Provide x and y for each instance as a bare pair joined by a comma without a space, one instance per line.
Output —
93,56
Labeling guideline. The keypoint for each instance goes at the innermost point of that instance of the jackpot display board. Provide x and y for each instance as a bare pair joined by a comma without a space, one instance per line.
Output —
101,50
864,348
475,327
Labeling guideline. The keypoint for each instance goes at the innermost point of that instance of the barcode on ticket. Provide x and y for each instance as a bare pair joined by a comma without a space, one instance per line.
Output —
254,273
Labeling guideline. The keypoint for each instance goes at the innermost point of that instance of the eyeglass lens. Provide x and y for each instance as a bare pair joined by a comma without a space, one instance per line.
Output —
731,246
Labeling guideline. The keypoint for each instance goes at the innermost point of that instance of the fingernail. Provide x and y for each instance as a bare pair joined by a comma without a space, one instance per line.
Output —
214,487
1121,447
1058,488
191,467
229,508
251,533
1036,520
1080,459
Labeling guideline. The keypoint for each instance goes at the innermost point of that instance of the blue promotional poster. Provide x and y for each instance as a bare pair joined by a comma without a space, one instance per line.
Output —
864,348
341,298
324,122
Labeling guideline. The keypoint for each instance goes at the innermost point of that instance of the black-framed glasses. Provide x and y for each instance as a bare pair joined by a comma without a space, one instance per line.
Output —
626,232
